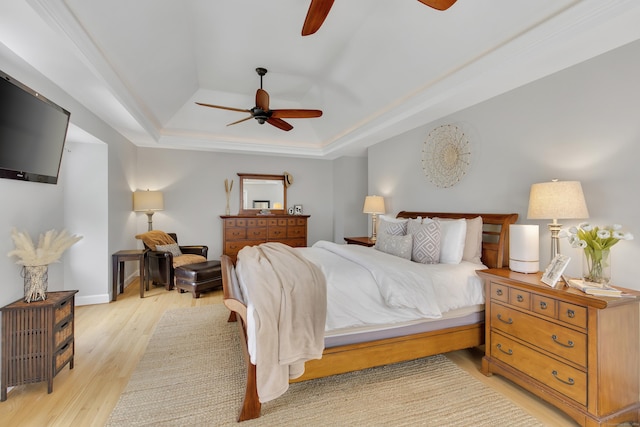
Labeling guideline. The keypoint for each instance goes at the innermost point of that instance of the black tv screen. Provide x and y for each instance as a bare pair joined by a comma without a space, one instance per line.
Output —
32,133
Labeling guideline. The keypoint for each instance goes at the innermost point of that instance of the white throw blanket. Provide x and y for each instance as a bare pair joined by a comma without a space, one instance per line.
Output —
287,305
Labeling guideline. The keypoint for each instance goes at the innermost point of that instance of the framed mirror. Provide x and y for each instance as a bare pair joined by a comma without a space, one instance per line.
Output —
260,191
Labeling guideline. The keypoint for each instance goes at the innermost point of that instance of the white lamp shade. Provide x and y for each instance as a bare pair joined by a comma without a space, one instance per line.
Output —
145,201
373,205
524,248
557,200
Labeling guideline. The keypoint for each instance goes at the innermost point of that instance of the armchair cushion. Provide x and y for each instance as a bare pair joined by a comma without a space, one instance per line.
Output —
155,237
187,259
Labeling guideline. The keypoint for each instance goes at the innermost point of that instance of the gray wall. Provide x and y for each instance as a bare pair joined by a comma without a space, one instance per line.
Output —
194,196
579,124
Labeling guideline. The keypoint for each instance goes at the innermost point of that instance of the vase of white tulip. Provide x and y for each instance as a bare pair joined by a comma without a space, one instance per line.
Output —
35,260
596,243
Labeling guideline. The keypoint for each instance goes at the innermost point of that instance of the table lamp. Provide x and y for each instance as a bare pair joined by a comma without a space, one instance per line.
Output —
373,205
557,200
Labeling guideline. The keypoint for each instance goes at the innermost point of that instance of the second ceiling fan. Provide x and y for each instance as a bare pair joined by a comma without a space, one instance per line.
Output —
319,9
262,113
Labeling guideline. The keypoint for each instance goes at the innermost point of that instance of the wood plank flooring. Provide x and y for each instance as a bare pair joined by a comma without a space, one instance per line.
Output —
111,338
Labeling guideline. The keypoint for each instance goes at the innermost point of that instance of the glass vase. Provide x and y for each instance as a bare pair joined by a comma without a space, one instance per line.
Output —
596,266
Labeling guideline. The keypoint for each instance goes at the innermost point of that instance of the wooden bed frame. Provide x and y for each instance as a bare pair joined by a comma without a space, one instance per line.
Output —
353,357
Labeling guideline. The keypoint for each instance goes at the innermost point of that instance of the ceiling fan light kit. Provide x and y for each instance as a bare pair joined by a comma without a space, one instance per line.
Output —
263,114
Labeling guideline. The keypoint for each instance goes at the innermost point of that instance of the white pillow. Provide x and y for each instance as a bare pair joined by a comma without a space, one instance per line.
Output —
473,239
396,245
452,237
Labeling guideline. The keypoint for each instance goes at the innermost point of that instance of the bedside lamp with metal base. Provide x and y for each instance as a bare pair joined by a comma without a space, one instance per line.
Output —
373,205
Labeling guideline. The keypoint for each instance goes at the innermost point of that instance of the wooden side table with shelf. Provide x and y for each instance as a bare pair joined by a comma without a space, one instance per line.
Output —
576,351
37,340
362,241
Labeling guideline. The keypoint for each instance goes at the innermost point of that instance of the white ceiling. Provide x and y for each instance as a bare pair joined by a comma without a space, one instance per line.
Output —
376,67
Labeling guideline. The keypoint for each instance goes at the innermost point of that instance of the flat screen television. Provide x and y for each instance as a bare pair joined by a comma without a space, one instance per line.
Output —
32,133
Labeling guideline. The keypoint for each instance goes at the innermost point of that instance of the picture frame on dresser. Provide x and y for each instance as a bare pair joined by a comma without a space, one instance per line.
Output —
297,209
553,272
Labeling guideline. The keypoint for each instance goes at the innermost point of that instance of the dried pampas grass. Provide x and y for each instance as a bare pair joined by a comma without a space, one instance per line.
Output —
51,246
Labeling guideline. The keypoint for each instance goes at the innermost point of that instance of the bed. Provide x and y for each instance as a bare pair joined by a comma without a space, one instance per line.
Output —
413,340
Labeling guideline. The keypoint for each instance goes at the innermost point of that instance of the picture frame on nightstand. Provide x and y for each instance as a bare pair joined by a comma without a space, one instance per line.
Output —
554,270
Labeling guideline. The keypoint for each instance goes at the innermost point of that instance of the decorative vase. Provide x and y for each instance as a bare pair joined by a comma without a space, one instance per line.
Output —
36,280
227,211
596,266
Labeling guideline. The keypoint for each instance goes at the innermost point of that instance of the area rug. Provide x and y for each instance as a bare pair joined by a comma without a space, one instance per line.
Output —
192,374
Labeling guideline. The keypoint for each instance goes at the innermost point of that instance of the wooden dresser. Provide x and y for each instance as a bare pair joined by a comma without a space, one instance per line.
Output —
37,340
240,231
577,352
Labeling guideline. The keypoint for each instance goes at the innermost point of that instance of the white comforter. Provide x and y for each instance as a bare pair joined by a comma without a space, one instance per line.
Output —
369,287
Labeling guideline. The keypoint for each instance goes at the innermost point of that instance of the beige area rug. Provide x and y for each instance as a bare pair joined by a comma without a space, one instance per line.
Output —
192,374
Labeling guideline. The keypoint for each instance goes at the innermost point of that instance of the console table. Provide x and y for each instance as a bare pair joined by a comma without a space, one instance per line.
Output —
37,340
118,259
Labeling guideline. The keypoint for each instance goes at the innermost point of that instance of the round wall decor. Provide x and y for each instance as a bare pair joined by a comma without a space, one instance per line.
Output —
446,155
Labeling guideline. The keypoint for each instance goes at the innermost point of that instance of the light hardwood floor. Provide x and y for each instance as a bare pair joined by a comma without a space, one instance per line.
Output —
111,338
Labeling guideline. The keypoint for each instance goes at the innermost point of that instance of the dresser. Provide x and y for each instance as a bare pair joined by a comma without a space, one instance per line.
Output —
37,340
578,352
239,231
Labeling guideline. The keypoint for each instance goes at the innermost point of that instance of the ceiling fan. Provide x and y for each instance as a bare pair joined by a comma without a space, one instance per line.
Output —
319,9
262,113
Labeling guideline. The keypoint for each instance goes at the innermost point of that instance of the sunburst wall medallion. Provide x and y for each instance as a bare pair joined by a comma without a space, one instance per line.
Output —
446,156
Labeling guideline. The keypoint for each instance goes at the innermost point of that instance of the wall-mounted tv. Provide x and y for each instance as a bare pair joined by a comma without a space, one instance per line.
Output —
32,133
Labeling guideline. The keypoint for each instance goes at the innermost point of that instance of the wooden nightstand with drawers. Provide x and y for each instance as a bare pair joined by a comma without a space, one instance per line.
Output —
37,340
578,352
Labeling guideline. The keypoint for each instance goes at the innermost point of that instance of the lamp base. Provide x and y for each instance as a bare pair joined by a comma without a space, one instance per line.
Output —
150,221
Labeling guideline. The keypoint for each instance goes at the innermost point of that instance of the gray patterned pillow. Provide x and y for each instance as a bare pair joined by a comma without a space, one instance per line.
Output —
396,245
173,248
394,228
426,241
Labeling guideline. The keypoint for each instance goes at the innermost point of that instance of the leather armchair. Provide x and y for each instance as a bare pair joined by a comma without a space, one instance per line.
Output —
161,265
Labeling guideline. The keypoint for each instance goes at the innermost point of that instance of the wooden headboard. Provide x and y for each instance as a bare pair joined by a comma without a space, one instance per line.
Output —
495,233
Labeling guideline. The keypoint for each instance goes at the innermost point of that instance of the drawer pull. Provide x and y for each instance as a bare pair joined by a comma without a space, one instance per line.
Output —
571,314
543,305
508,322
520,298
508,352
569,344
569,381
499,292
64,325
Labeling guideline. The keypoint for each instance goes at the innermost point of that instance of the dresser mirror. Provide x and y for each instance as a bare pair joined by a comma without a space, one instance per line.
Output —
262,193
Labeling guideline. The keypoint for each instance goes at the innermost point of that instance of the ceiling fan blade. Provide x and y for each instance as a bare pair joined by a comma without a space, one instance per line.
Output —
279,123
262,99
295,114
318,11
224,108
240,121
438,4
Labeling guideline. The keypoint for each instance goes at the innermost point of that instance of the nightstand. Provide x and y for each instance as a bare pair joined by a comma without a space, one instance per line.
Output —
362,241
576,351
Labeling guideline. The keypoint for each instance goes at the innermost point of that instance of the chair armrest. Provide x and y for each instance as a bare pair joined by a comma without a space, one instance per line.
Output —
195,249
161,254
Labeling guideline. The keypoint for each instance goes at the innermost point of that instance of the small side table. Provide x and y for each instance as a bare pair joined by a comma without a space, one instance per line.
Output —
118,259
362,241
